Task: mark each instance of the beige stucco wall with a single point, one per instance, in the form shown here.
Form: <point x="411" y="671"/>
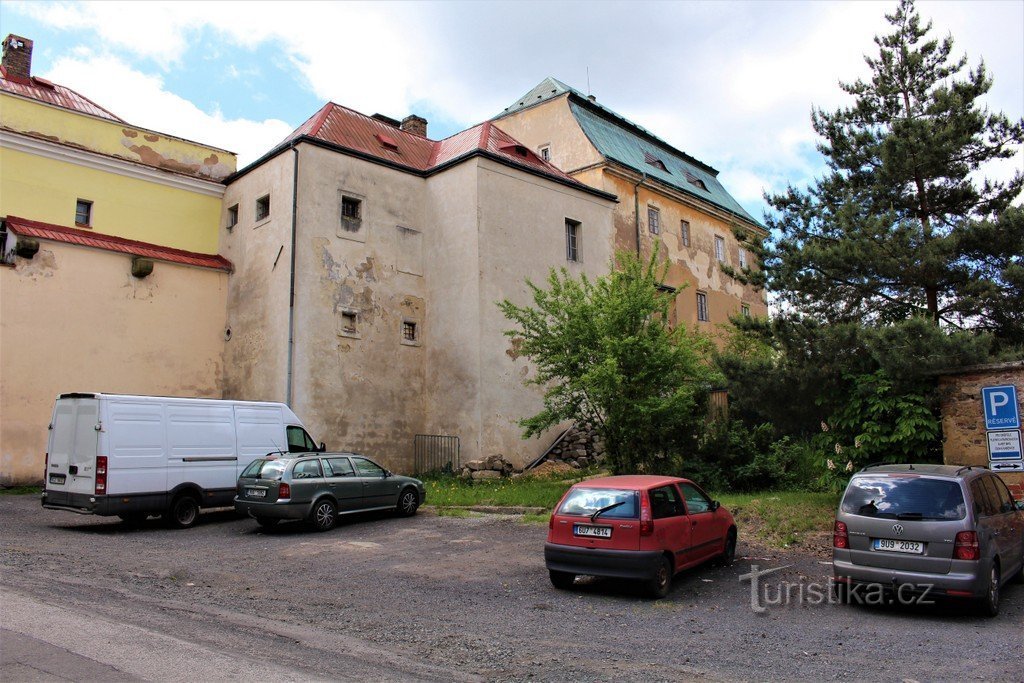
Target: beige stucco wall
<point x="552" y="125"/>
<point x="522" y="235"/>
<point x="255" y="357"/>
<point x="361" y="391"/>
<point x="75" y="319"/>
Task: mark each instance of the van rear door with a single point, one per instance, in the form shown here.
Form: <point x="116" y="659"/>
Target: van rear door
<point x="73" y="446"/>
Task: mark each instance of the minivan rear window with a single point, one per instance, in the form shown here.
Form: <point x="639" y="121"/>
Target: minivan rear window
<point x="584" y="501"/>
<point x="904" y="498"/>
<point x="264" y="469"/>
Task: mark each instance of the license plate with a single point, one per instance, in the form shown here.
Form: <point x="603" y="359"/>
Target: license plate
<point x="893" y="546"/>
<point x="57" y="478"/>
<point x="593" y="531"/>
<point x="256" y="493"/>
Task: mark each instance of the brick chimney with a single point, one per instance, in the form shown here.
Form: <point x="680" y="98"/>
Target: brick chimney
<point x="17" y="59"/>
<point x="415" y="124"/>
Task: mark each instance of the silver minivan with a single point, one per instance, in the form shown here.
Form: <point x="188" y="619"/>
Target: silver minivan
<point x="928" y="530"/>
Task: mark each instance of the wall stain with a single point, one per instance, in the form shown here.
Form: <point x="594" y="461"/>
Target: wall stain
<point x="516" y="349"/>
<point x="152" y="138"/>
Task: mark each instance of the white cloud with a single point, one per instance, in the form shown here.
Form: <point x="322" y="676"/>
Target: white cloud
<point x="141" y="99"/>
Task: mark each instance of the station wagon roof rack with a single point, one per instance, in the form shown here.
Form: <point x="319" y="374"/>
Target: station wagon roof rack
<point x="880" y="464"/>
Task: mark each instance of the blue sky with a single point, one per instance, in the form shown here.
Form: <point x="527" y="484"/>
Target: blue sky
<point x="731" y="83"/>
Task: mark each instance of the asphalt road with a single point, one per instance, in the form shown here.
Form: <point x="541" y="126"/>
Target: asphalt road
<point x="435" y="598"/>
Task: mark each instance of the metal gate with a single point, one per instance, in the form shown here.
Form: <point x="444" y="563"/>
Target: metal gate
<point x="434" y="452"/>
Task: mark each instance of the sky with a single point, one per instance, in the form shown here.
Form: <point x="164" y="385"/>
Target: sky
<point x="730" y="83"/>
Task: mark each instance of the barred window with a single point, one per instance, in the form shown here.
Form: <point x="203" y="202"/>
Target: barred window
<point x="702" y="306"/>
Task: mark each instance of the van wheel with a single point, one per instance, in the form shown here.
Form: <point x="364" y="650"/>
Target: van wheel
<point x="324" y="515"/>
<point x="561" y="580"/>
<point x="989" y="605"/>
<point x="657" y="586"/>
<point x="408" y="501"/>
<point x="267" y="522"/>
<point x="183" y="513"/>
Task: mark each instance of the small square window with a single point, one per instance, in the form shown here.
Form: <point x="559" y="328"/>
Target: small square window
<point x="262" y="208"/>
<point x="653" y="220"/>
<point x="720" y="248"/>
<point x="83" y="213"/>
<point x="351" y="208"/>
<point x="745" y="310"/>
<point x="232" y="216"/>
<point x="572" y="240"/>
<point x="702" y="307"/>
<point x="545" y="153"/>
<point x="684" y="230"/>
<point x="409" y="331"/>
<point x="349" y="324"/>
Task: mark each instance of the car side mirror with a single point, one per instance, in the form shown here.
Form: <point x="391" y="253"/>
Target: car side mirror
<point x="388" y="473"/>
<point x="715" y="505"/>
<point x="323" y="447"/>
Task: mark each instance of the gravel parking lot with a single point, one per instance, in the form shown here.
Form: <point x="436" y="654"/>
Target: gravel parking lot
<point x="441" y="598"/>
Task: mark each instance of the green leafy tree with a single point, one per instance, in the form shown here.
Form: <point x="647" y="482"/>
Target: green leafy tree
<point x="605" y="353"/>
<point x="898" y="227"/>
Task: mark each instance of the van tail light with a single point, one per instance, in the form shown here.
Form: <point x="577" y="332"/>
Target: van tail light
<point x="101" y="475"/>
<point x="840" y="535"/>
<point x="966" y="547"/>
<point x="285" y="491"/>
<point x="646" y="521"/>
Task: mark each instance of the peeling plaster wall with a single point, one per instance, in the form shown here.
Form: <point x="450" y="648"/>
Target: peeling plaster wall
<point x="115" y="139"/>
<point x="695" y="266"/>
<point x="363" y="390"/>
<point x="522" y="235"/>
<point x="75" y="319"/>
<point x="257" y="311"/>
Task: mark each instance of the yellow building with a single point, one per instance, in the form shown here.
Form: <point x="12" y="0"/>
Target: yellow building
<point x="110" y="278"/>
<point x="664" y="195"/>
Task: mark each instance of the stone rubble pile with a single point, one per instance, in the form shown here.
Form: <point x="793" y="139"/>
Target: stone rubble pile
<point x="581" y="447"/>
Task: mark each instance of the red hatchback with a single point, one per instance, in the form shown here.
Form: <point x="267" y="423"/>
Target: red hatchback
<point x="641" y="527"/>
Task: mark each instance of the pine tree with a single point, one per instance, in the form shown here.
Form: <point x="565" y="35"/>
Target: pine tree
<point x="898" y="227"/>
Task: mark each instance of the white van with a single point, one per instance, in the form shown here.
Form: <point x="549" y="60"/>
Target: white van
<point x="134" y="456"/>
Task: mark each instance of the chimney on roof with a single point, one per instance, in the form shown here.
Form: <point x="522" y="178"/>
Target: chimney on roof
<point x="414" y="124"/>
<point x="17" y="59"/>
<point x="592" y="98"/>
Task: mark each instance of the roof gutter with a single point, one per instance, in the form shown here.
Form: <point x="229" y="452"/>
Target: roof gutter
<point x="636" y="211"/>
<point x="291" y="279"/>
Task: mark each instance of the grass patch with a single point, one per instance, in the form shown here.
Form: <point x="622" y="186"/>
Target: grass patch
<point x="20" y="490"/>
<point x="448" y="491"/>
<point x="782" y="518"/>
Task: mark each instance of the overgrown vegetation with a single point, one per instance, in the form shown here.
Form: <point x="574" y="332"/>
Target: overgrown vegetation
<point x="605" y="354"/>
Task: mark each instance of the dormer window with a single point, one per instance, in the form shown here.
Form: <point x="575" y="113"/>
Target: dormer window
<point x="694" y="180"/>
<point x="655" y="162"/>
<point x="387" y="141"/>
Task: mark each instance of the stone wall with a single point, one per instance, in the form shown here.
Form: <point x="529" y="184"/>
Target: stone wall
<point x="963" y="417"/>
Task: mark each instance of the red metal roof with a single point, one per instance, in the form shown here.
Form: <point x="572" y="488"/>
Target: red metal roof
<point x="367" y="135"/>
<point x="85" y="238"/>
<point x="43" y="90"/>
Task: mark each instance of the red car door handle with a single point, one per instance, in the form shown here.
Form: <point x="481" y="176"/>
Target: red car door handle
<point x="693" y="523"/>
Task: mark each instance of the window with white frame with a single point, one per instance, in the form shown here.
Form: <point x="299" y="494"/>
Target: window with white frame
<point x="745" y="310"/>
<point x="743" y="257"/>
<point x="545" y="153"/>
<point x="720" y="248"/>
<point x="684" y="231"/>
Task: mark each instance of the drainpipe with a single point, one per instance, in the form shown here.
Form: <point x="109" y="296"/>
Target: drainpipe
<point x="291" y="277"/>
<point x="636" y="211"/>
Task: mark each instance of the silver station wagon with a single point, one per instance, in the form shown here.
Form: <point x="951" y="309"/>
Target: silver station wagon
<point x="928" y="530"/>
<point x="318" y="487"/>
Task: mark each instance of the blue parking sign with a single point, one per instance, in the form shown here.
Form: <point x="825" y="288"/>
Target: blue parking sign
<point x="1000" y="407"/>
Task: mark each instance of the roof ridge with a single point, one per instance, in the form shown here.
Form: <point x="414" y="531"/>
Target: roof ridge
<point x="103" y="237"/>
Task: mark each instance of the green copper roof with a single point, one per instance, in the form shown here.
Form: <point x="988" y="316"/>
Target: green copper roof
<point x="619" y="139"/>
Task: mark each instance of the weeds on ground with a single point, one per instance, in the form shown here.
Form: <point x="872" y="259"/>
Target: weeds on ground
<point x="782" y="518"/>
<point x="20" y="490"/>
<point x="544" y="492"/>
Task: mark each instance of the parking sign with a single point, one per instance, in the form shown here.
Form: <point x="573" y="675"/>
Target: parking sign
<point x="1000" y="407"/>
